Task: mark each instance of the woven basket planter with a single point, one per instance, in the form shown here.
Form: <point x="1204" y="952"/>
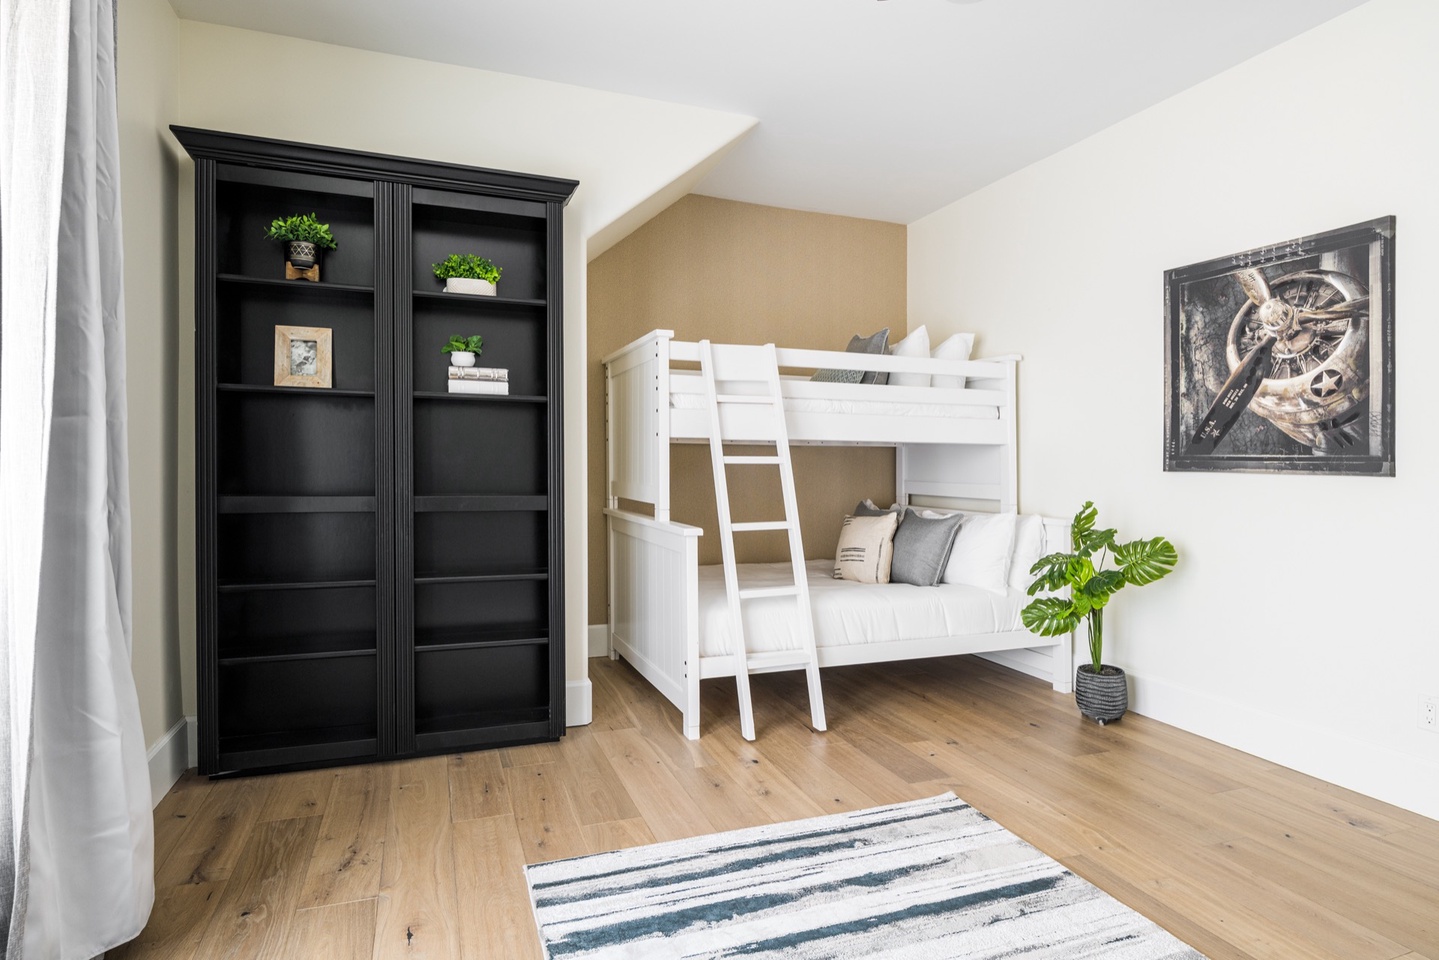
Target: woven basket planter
<point x="1102" y="696"/>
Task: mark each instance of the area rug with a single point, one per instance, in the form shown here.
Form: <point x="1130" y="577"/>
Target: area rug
<point x="931" y="879"/>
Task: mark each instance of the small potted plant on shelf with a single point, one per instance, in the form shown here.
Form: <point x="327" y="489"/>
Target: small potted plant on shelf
<point x="463" y="350"/>
<point x="1100" y="690"/>
<point x="468" y="273"/>
<point x="305" y="237"/>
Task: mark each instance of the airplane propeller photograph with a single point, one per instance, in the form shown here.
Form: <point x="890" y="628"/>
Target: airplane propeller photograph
<point x="1281" y="359"/>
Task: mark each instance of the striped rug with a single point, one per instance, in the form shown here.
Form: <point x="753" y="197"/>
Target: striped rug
<point x="931" y="879"/>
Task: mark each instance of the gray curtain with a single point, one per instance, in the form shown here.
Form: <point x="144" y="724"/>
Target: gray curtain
<point x="77" y="878"/>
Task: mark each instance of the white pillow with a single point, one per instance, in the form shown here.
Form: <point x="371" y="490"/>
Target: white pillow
<point x="914" y="345"/>
<point x="981" y="552"/>
<point x="866" y="548"/>
<point x="957" y="347"/>
<point x="1028" y="547"/>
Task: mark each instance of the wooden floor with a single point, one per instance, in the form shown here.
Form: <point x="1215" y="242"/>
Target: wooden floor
<point x="422" y="859"/>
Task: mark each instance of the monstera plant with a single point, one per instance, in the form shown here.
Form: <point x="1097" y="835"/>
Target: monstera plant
<point x="1100" y="689"/>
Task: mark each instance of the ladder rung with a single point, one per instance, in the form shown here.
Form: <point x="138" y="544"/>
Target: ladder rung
<point x="768" y="459"/>
<point x="744" y="398"/>
<point x="780" y="660"/>
<point x="760" y="525"/>
<point x="754" y="593"/>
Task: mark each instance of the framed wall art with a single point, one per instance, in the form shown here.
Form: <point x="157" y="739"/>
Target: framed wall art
<point x="1281" y="359"/>
<point x="302" y="356"/>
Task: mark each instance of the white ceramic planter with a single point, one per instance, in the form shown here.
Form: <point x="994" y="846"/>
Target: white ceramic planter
<point x="470" y="286"/>
<point x="462" y="358"/>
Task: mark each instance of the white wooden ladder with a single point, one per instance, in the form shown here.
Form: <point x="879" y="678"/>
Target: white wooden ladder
<point x="750" y="376"/>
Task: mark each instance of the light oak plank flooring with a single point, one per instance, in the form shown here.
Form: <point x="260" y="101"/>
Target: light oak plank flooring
<point x="423" y="858"/>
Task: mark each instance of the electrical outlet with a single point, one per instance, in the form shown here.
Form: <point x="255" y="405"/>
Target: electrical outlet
<point x="1429" y="713"/>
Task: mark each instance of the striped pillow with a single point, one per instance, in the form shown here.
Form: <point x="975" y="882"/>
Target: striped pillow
<point x="866" y="549"/>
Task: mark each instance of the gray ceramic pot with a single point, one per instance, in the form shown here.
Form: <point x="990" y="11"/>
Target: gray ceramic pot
<point x="1102" y="696"/>
<point x="302" y="254"/>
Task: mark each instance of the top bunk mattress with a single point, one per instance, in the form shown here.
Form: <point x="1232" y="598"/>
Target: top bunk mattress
<point x="687" y="395"/>
<point x="887" y="408"/>
<point x="846" y="612"/>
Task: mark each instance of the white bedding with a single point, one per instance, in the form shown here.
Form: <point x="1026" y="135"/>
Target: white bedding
<point x="887" y="408"/>
<point x="846" y="612"/>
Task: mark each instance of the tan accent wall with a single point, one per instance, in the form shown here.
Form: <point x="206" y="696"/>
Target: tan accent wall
<point x="743" y="273"/>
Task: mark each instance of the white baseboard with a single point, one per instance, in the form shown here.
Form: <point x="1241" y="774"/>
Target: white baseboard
<point x="192" y="740"/>
<point x="579" y="705"/>
<point x="599" y="639"/>
<point x="167" y="760"/>
<point x="1377" y="771"/>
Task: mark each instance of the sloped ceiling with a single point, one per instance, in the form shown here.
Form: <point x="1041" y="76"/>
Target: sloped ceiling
<point x="887" y="109"/>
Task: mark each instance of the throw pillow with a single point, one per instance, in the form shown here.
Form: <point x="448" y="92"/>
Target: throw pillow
<point x="981" y="552"/>
<point x="957" y="347"/>
<point x="1028" y="547"/>
<point x="867" y="508"/>
<point x="914" y="345"/>
<point x="866" y="549"/>
<point x="874" y="343"/>
<point x="922" y="547"/>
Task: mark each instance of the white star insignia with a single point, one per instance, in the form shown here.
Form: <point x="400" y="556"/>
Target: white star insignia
<point x="1325" y="383"/>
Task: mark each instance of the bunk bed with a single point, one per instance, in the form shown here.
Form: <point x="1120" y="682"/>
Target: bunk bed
<point x="955" y="448"/>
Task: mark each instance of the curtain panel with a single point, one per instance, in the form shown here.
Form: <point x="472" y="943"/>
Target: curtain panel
<point x="77" y="876"/>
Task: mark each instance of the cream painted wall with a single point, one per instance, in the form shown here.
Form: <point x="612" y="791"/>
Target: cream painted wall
<point x="744" y="273"/>
<point x="148" y="45"/>
<point x="1289" y="629"/>
<point x="624" y="151"/>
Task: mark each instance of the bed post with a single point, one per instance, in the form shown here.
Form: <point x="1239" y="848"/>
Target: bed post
<point x="1009" y="413"/>
<point x="901" y="488"/>
<point x="662" y="424"/>
<point x="690" y="710"/>
<point x="611" y="500"/>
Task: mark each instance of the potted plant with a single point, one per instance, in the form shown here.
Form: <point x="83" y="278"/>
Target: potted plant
<point x="468" y="273"/>
<point x="304" y="237"/>
<point x="1100" y="689"/>
<point x="463" y="350"/>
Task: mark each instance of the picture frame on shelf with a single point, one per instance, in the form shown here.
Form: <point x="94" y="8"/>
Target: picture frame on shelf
<point x="303" y="357"/>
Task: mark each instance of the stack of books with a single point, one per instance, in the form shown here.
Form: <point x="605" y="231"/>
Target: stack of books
<point x="492" y="380"/>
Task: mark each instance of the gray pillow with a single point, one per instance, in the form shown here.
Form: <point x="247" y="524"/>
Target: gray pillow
<point x="867" y="508"/>
<point x="921" y="548"/>
<point x="874" y="343"/>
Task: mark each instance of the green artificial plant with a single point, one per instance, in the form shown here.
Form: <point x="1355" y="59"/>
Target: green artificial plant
<point x="1090" y="585"/>
<point x="303" y="227"/>
<point x="469" y="266"/>
<point x="470" y="344"/>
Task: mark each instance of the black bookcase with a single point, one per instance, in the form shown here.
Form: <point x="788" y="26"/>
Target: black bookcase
<point x="378" y="563"/>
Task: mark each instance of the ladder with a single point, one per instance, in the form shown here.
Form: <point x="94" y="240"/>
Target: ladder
<point x="750" y="375"/>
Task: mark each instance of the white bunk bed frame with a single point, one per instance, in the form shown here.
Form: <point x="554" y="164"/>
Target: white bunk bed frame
<point x="962" y="462"/>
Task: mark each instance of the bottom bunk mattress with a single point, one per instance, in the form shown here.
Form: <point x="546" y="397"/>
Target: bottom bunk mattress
<point x="846" y="612"/>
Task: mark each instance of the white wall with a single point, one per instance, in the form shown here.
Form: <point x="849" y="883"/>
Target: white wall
<point x="1293" y="627"/>
<point x="624" y="150"/>
<point x="148" y="46"/>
